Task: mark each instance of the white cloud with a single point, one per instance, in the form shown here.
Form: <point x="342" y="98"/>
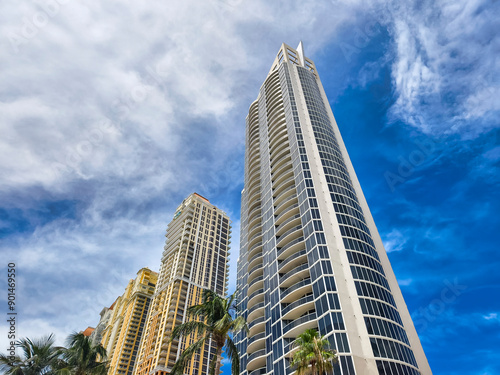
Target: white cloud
<point x="445" y="71"/>
<point x="394" y="241"/>
<point x="491" y="316"/>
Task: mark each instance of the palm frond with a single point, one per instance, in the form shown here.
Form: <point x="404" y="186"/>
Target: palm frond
<point x="213" y="318"/>
<point x="185" y="357"/>
<point x="232" y="354"/>
<point x="189" y="327"/>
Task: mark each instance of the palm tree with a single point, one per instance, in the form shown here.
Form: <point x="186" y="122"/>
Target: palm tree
<point x="313" y="355"/>
<point x="213" y="319"/>
<point x="39" y="357"/>
<point x="83" y="358"/>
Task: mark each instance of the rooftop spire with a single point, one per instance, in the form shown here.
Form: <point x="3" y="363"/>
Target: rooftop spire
<point x="300" y="51"/>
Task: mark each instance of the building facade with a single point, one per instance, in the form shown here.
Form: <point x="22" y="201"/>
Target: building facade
<point x="311" y="255"/>
<point x="96" y="335"/>
<point x="126" y="317"/>
<point x="195" y="258"/>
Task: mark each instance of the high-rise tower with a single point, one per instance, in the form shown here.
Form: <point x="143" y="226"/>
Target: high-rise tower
<point x="195" y="258"/>
<point x="311" y="255"/>
<point x="125" y="323"/>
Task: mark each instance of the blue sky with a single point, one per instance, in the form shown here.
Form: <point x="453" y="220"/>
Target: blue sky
<point x="112" y="113"/>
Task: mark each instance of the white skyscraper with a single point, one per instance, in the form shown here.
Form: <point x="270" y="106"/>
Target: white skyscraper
<point x="311" y="255"/>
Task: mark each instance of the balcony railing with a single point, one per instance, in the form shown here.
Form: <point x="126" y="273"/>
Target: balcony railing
<point x="256" y="293"/>
<point x="299" y="321"/>
<point x="288" y="245"/>
<point x="287" y="221"/>
<point x="294" y="287"/>
<point x="299" y="302"/>
<point x="254" y="322"/>
<point x="256" y="354"/>
<point x="255" y="269"/>
<point x="291" y="258"/>
<point x="293" y="272"/>
<point x="256" y="337"/>
<point x="287" y="210"/>
<point x="256" y="280"/>
<point x="255" y="257"/>
<point x="289" y="231"/>
<point x="255" y="307"/>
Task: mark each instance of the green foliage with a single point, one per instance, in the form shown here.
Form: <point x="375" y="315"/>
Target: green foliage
<point x="313" y="355"/>
<point x="213" y="319"/>
<point x="83" y="358"/>
<point x="41" y="357"/>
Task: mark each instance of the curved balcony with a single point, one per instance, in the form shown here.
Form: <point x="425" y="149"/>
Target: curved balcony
<point x="255" y="310"/>
<point x="252" y="152"/>
<point x="284" y="194"/>
<point x="279" y="138"/>
<point x="255" y="283"/>
<point x="275" y="108"/>
<point x="271" y="79"/>
<point x="277" y="114"/>
<point x="290" y="235"/>
<point x="278" y="188"/>
<point x="253" y="135"/>
<point x="256" y="360"/>
<point x="256" y="322"/>
<point x="253" y="196"/>
<point x="299" y="273"/>
<point x="255" y="239"/>
<point x="290" y="248"/>
<point x="254" y="249"/>
<point x="292" y="261"/>
<point x="254" y="258"/>
<point x="300" y="288"/>
<point x="277" y="155"/>
<point x="285" y="168"/>
<point x="278" y="162"/>
<point x="252" y="141"/>
<point x="253" y="187"/>
<point x="256" y="220"/>
<point x="256" y="230"/>
<point x="278" y="147"/>
<point x="254" y="210"/>
<point x="271" y="83"/>
<point x="297" y="308"/>
<point x="285" y="225"/>
<point x="277" y="121"/>
<point x="253" y="174"/>
<point x="257" y="296"/>
<point x="289" y="211"/>
<point x="292" y="199"/>
<point x="254" y="109"/>
<point x="254" y="272"/>
<point x="256" y="342"/>
<point x="273" y="92"/>
<point x="253" y="126"/>
<point x="274" y="99"/>
<point x="283" y="180"/>
<point x="297" y="326"/>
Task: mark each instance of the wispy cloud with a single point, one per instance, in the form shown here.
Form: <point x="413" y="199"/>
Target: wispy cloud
<point x="444" y="68"/>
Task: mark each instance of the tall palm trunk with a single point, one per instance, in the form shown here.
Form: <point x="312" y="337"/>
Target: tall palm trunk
<point x="218" y="354"/>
